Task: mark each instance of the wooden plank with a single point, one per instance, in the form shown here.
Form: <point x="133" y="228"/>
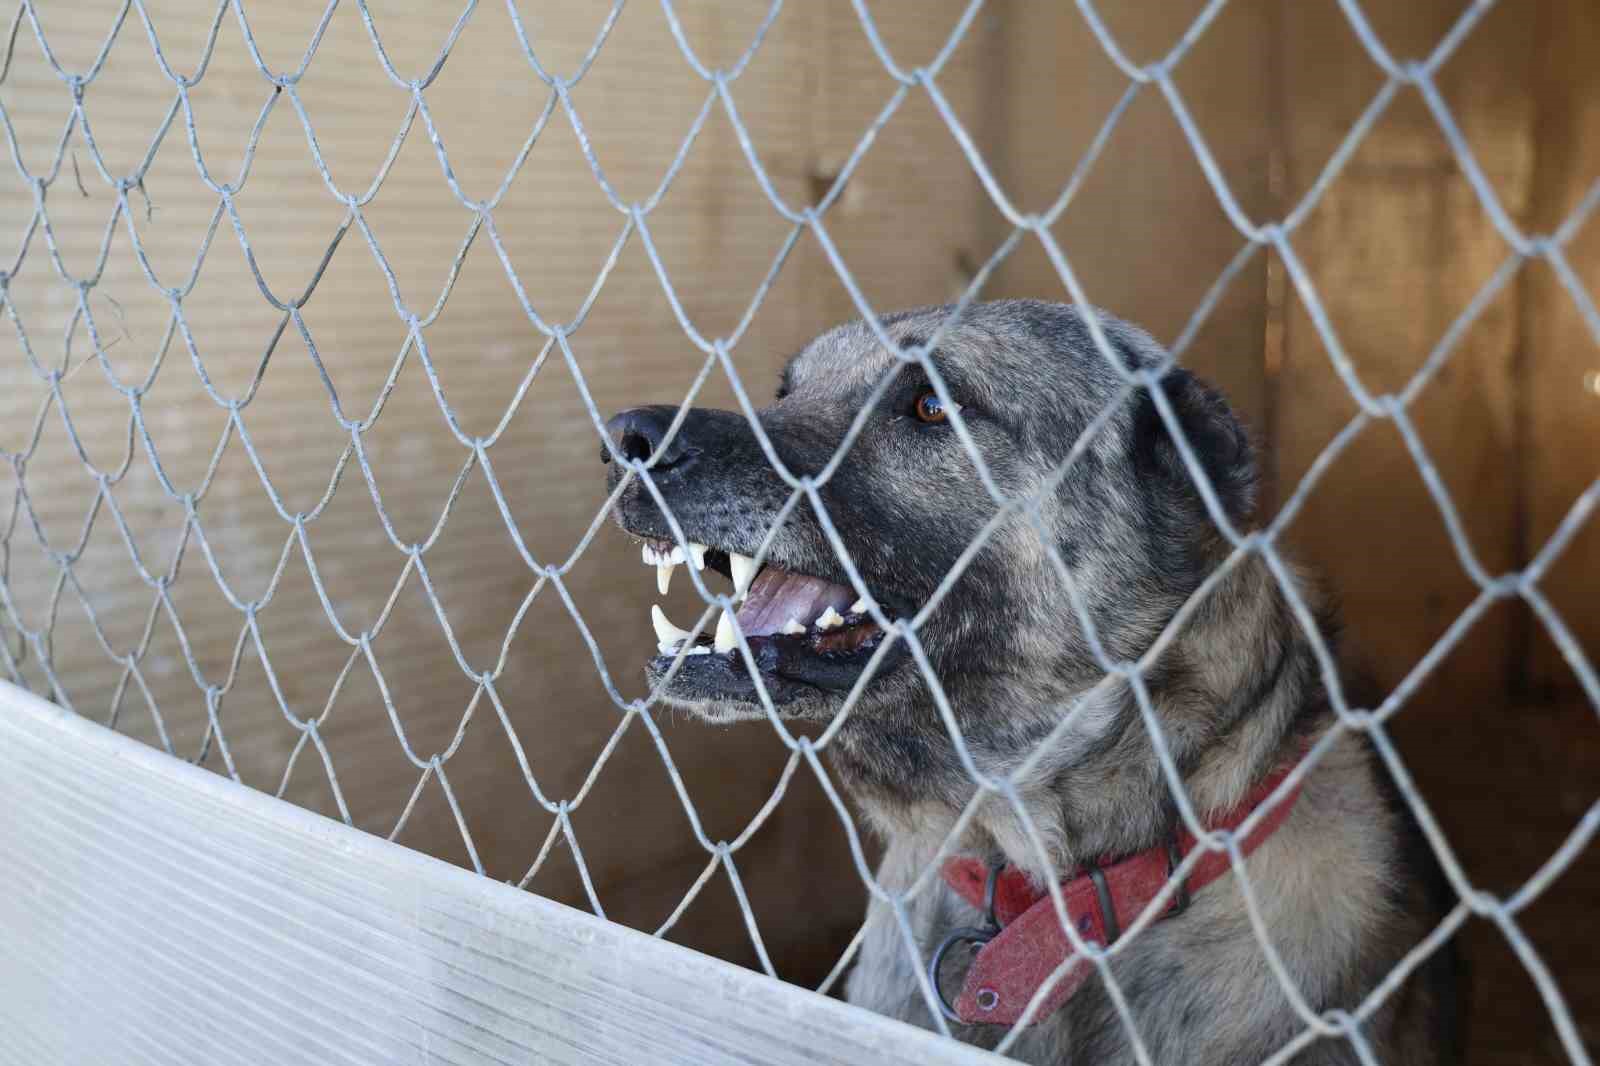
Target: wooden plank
<point x="157" y="912"/>
<point x="1397" y="248"/>
<point x="1543" y="761"/>
<point x="1145" y="233"/>
<point x="1560" y="367"/>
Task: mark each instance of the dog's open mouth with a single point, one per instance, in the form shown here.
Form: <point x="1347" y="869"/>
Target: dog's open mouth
<point x="805" y="633"/>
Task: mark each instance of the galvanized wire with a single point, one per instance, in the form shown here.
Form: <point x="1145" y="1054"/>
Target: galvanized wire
<point x="21" y="638"/>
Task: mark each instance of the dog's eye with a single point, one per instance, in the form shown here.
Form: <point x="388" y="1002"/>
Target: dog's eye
<point x="929" y="408"/>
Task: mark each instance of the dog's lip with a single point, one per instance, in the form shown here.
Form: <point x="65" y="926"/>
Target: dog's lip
<point x="722" y="560"/>
<point x="789" y="666"/>
<point x="769" y="600"/>
<point x="805" y="633"/>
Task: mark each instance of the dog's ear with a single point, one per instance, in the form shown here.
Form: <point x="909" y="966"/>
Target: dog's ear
<point x="1217" y="438"/>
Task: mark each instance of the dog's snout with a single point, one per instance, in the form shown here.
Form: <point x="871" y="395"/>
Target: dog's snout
<point x="637" y="434"/>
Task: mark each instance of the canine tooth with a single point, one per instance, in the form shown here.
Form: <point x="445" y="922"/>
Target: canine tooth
<point x="859" y="607"/>
<point x="793" y="628"/>
<point x="664" y="576"/>
<point x="725" y="640"/>
<point x="743" y="569"/>
<point x="698" y="553"/>
<point x="666" y="632"/>
<point x="829" y="619"/>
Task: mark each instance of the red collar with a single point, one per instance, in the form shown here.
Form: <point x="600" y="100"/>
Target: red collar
<point x="1030" y="943"/>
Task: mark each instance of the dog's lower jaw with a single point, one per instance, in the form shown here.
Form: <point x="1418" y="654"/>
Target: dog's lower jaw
<point x="716" y="711"/>
<point x="709" y="710"/>
<point x="791" y="675"/>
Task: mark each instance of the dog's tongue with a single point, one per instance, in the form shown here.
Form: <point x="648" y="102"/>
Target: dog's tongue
<point x="777" y="595"/>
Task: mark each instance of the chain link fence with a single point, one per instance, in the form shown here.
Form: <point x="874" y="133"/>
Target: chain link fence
<point x="28" y="647"/>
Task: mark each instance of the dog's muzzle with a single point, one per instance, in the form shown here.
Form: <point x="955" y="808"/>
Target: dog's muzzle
<point x="806" y="634"/>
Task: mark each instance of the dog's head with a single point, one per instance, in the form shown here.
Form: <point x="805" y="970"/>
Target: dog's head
<point x="906" y="503"/>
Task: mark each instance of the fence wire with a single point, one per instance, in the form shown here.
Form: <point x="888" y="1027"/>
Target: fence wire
<point x="22" y="639"/>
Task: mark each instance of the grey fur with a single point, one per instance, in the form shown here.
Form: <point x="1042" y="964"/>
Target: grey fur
<point x="1346" y="885"/>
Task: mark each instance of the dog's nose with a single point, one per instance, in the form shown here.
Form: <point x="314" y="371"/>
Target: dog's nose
<point x="637" y="434"/>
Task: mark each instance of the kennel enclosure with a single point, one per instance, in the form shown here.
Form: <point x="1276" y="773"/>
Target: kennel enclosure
<point x="315" y="313"/>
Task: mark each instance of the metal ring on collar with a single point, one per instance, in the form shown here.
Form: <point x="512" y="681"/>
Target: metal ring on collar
<point x="968" y="935"/>
<point x="965" y="935"/>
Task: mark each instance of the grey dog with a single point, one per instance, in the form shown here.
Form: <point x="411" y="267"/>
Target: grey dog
<point x="1343" y="887"/>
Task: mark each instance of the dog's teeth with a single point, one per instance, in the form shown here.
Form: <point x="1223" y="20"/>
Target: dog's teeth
<point x="725" y="640"/>
<point x="698" y="649"/>
<point x="697" y="552"/>
<point x="648" y="554"/>
<point x="829" y="619"/>
<point x="664" y="576"/>
<point x="674" y="556"/>
<point x="858" y="607"/>
<point x="666" y="632"/>
<point x="793" y="628"/>
<point x="743" y="569"/>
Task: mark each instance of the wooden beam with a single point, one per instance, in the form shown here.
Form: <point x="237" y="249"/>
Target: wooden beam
<point x="1559" y="372"/>
<point x="1396" y="249"/>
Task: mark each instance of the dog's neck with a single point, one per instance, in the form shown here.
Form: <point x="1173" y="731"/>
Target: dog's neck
<point x="1229" y="717"/>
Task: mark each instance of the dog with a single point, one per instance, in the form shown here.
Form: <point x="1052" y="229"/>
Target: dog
<point x="1112" y="531"/>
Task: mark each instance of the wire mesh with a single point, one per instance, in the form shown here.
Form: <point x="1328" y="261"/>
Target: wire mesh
<point x="24" y="637"/>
